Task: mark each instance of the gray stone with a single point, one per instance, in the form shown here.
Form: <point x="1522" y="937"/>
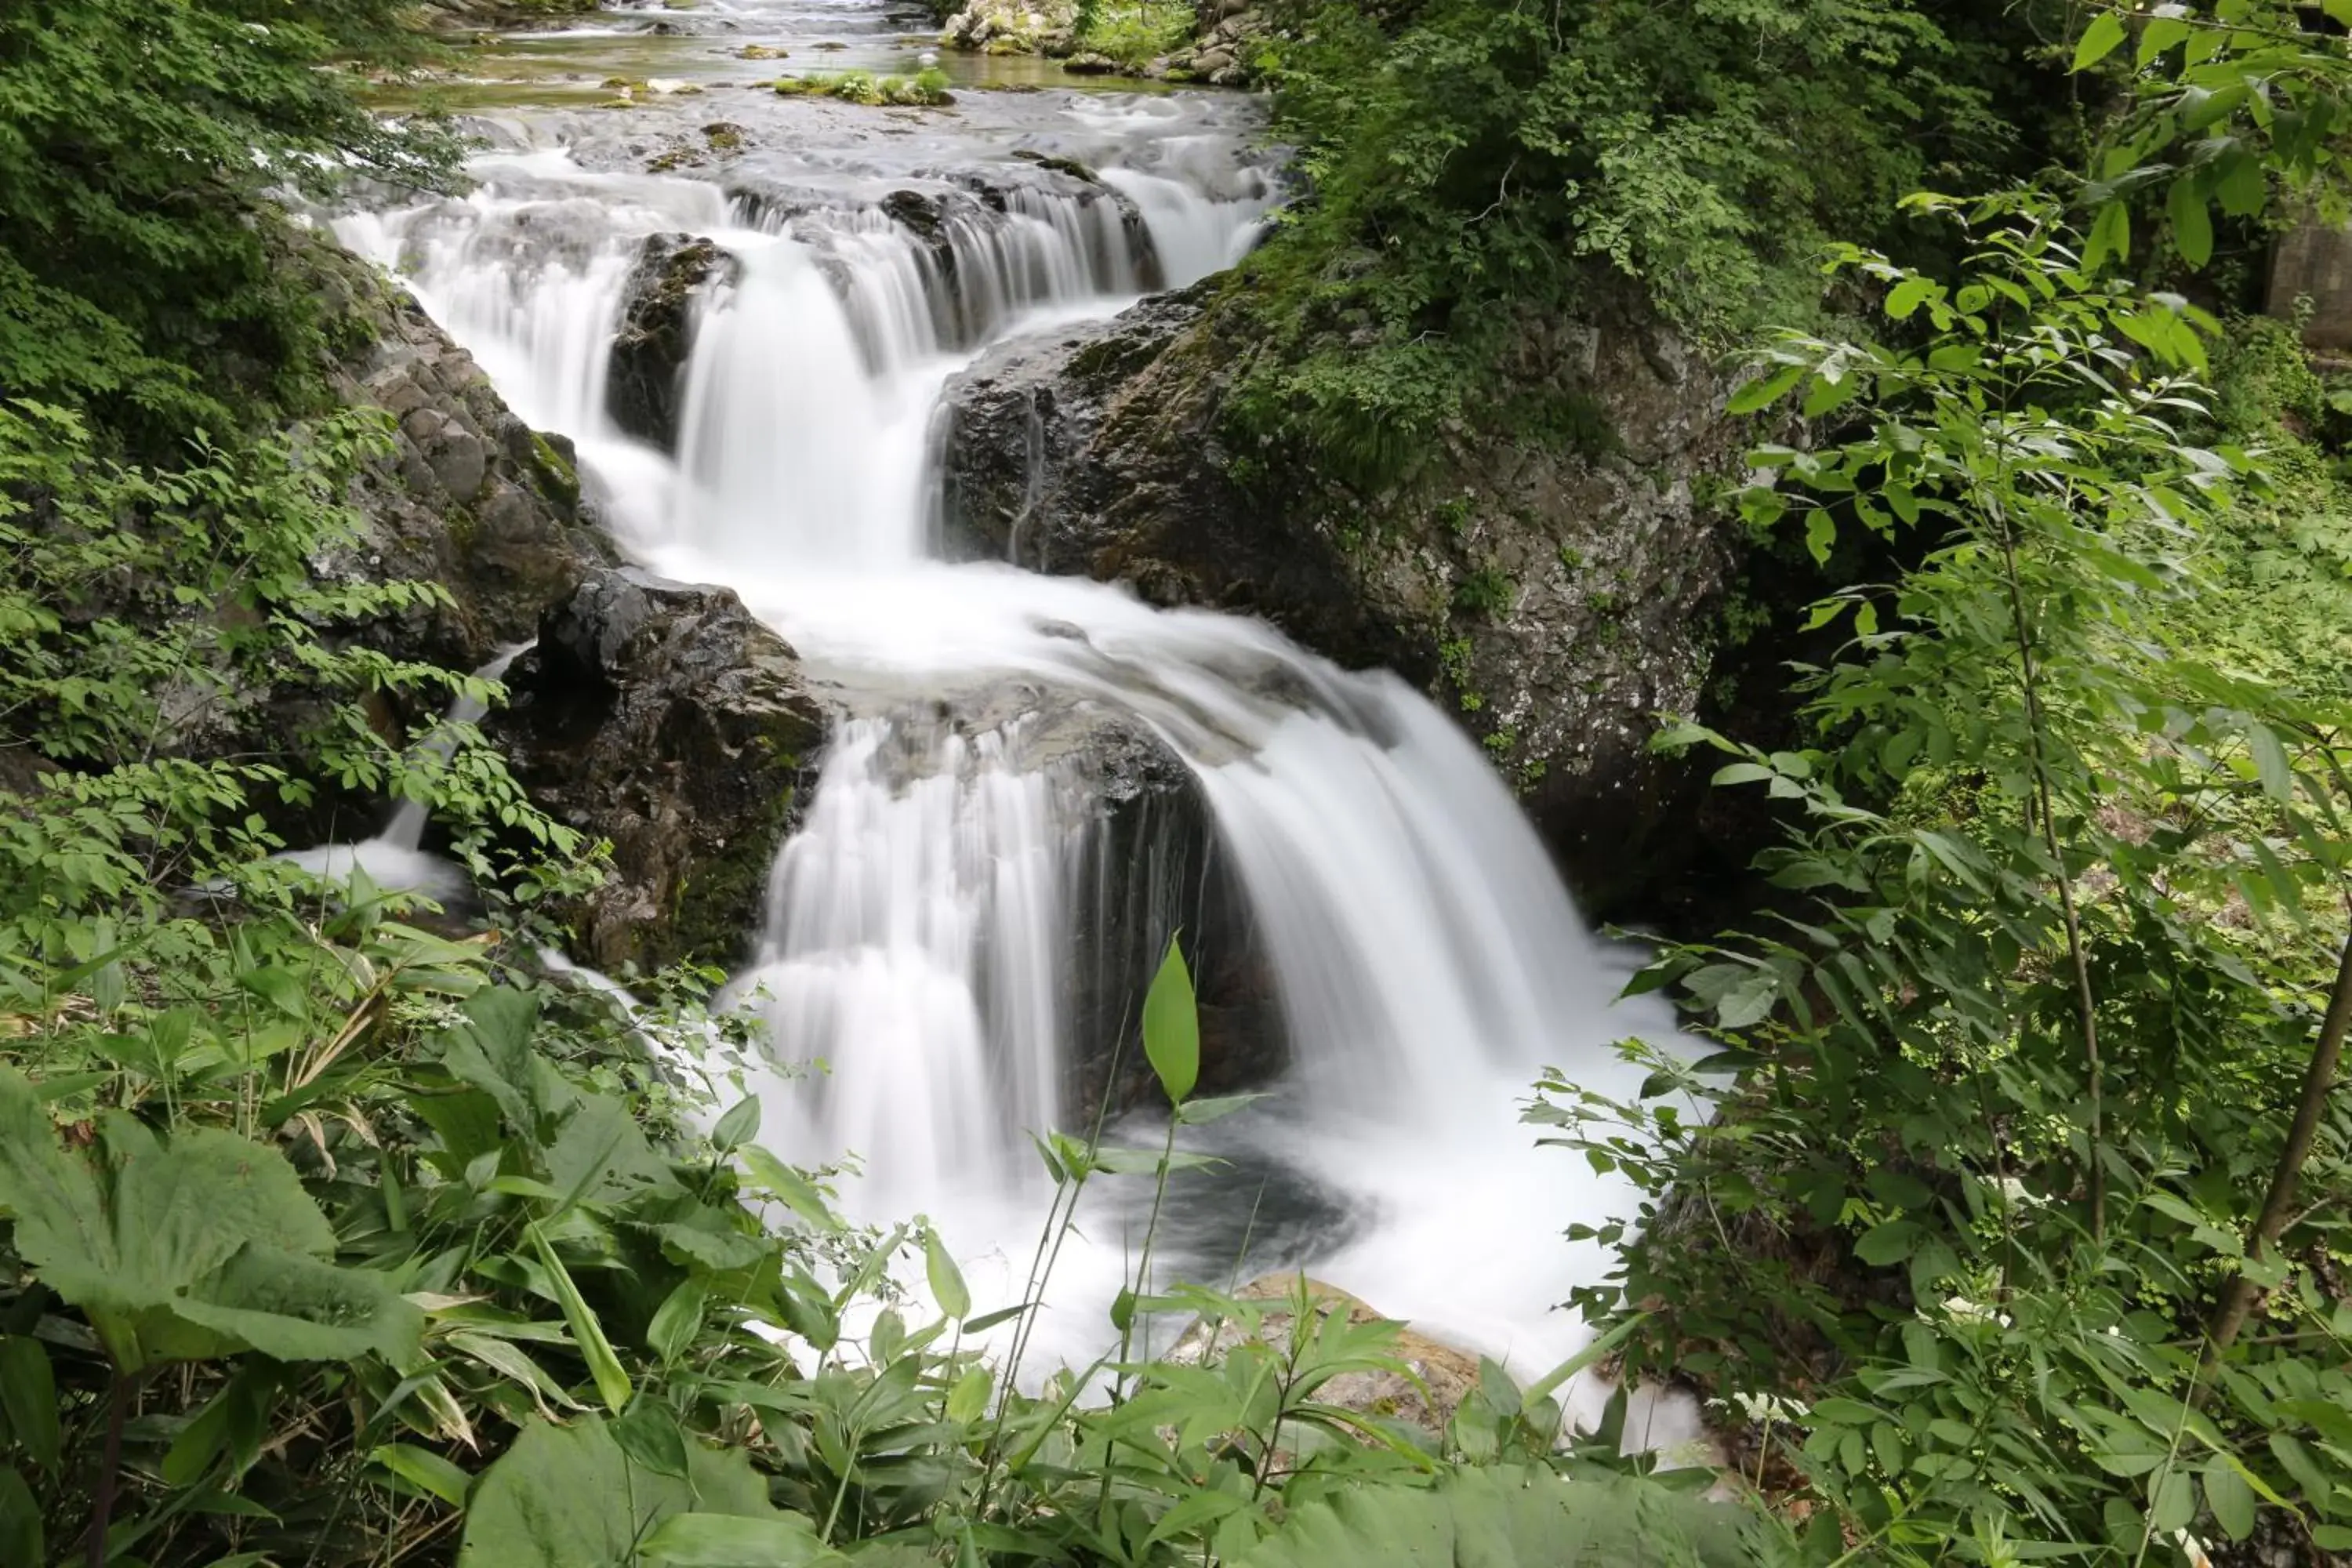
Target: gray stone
<point x="1553" y="592"/>
<point x="645" y="383"/>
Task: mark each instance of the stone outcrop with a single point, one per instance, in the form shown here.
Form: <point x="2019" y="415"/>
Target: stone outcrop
<point x="667" y="718"/>
<point x="645" y="380"/>
<point x="469" y="497"/>
<point x="1438" y="1377"/>
<point x="1553" y="590"/>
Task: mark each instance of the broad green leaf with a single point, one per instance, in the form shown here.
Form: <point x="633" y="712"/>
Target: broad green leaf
<point x="566" y="1497"/>
<point x="1172" y="1027"/>
<point x="1765" y="390"/>
<point x="796" y="1191"/>
<point x="28" y="1397"/>
<point x="677" y="1321"/>
<point x="1200" y="1113"/>
<point x="724" y="1541"/>
<point x="2171" y="1498"/>
<point x="2270" y="764"/>
<point x="611" y="1380"/>
<point x="196" y="1247"/>
<point x="2099" y="40"/>
<point x="649" y="1435"/>
<point x="2193" y="229"/>
<point x="947" y="1289"/>
<point x="21" y="1538"/>
<point x="1908" y="296"/>
<point x="2230" y="1497"/>
<point x="969" y="1398"/>
<point x="1887" y="1244"/>
<point x="738" y="1127"/>
<point x="2110" y="236"/>
<point x="1504" y="1515"/>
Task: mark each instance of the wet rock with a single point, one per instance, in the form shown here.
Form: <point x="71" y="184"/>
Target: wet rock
<point x="645" y="383"/>
<point x="1445" y="1375"/>
<point x="469" y="497"/>
<point x="1554" y="586"/>
<point x="1088" y="63"/>
<point x="666" y="719"/>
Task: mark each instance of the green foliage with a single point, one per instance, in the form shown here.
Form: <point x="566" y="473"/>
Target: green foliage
<point x="189" y="1248"/>
<point x="1135" y="32"/>
<point x="927" y="89"/>
<point x="2015" y="1085"/>
<point x="136" y="143"/>
<point x="1479" y="171"/>
<point x="1504" y="1515"/>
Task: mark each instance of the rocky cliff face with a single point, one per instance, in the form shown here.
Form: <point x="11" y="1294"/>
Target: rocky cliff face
<point x="1555" y="591"/>
<point x="469" y="497"/>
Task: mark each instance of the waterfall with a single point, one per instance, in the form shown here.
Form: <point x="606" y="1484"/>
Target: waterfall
<point x="914" y="963"/>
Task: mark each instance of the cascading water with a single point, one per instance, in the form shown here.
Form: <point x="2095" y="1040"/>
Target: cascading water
<point x="916" y="955"/>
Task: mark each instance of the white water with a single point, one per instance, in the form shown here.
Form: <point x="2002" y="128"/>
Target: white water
<point x="919" y="925"/>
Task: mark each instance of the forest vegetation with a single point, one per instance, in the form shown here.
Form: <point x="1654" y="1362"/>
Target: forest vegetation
<point x="2009" y="1220"/>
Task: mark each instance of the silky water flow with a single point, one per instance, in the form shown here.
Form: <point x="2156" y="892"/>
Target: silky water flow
<point x="915" y="967"/>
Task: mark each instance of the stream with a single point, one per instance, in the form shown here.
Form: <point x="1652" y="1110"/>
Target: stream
<point x="922" y="921"/>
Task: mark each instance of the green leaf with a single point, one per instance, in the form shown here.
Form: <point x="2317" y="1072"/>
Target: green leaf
<point x="196" y="1248"/>
<point x="1765" y="390"/>
<point x="723" y="1541"/>
<point x="611" y="1380"/>
<point x="1909" y="295"/>
<point x="738" y="1127"/>
<point x="566" y="1497"/>
<point x="1200" y="1113"/>
<point x="2099" y="40"/>
<point x="1886" y="1243"/>
<point x="2171" y="1498"/>
<point x="28" y="1397"/>
<point x="797" y="1191"/>
<point x="2158" y="34"/>
<point x="1172" y="1027"/>
<point x="677" y="1320"/>
<point x="947" y="1289"/>
<point x="21" y="1538"/>
<point x="969" y="1398"/>
<point x="2230" y="1497"/>
<point x="2193" y="229"/>
<point x="2110" y="236"/>
<point x="426" y="1470"/>
<point x="1503" y="1514"/>
<point x="1820" y="534"/>
<point x="2270" y="764"/>
<point x="649" y="1435"/>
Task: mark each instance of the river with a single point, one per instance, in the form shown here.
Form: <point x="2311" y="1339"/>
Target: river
<point x="921" y="921"/>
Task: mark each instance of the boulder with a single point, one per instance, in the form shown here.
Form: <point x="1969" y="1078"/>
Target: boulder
<point x="1555" y="588"/>
<point x="1437" y="1380"/>
<point x="645" y="385"/>
<point x="667" y="720"/>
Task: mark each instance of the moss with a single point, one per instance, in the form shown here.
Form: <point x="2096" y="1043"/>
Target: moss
<point x="717" y="900"/>
<point x="559" y="477"/>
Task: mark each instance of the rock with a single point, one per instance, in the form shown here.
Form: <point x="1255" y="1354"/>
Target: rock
<point x="1553" y="589"/>
<point x="664" y="718"/>
<point x="1446" y="1376"/>
<point x="1210" y="61"/>
<point x="644" y="386"/>
<point x="1091" y="64"/>
<point x="469" y="498"/>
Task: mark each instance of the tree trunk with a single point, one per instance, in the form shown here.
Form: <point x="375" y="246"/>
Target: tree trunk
<point x="2237" y="1303"/>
